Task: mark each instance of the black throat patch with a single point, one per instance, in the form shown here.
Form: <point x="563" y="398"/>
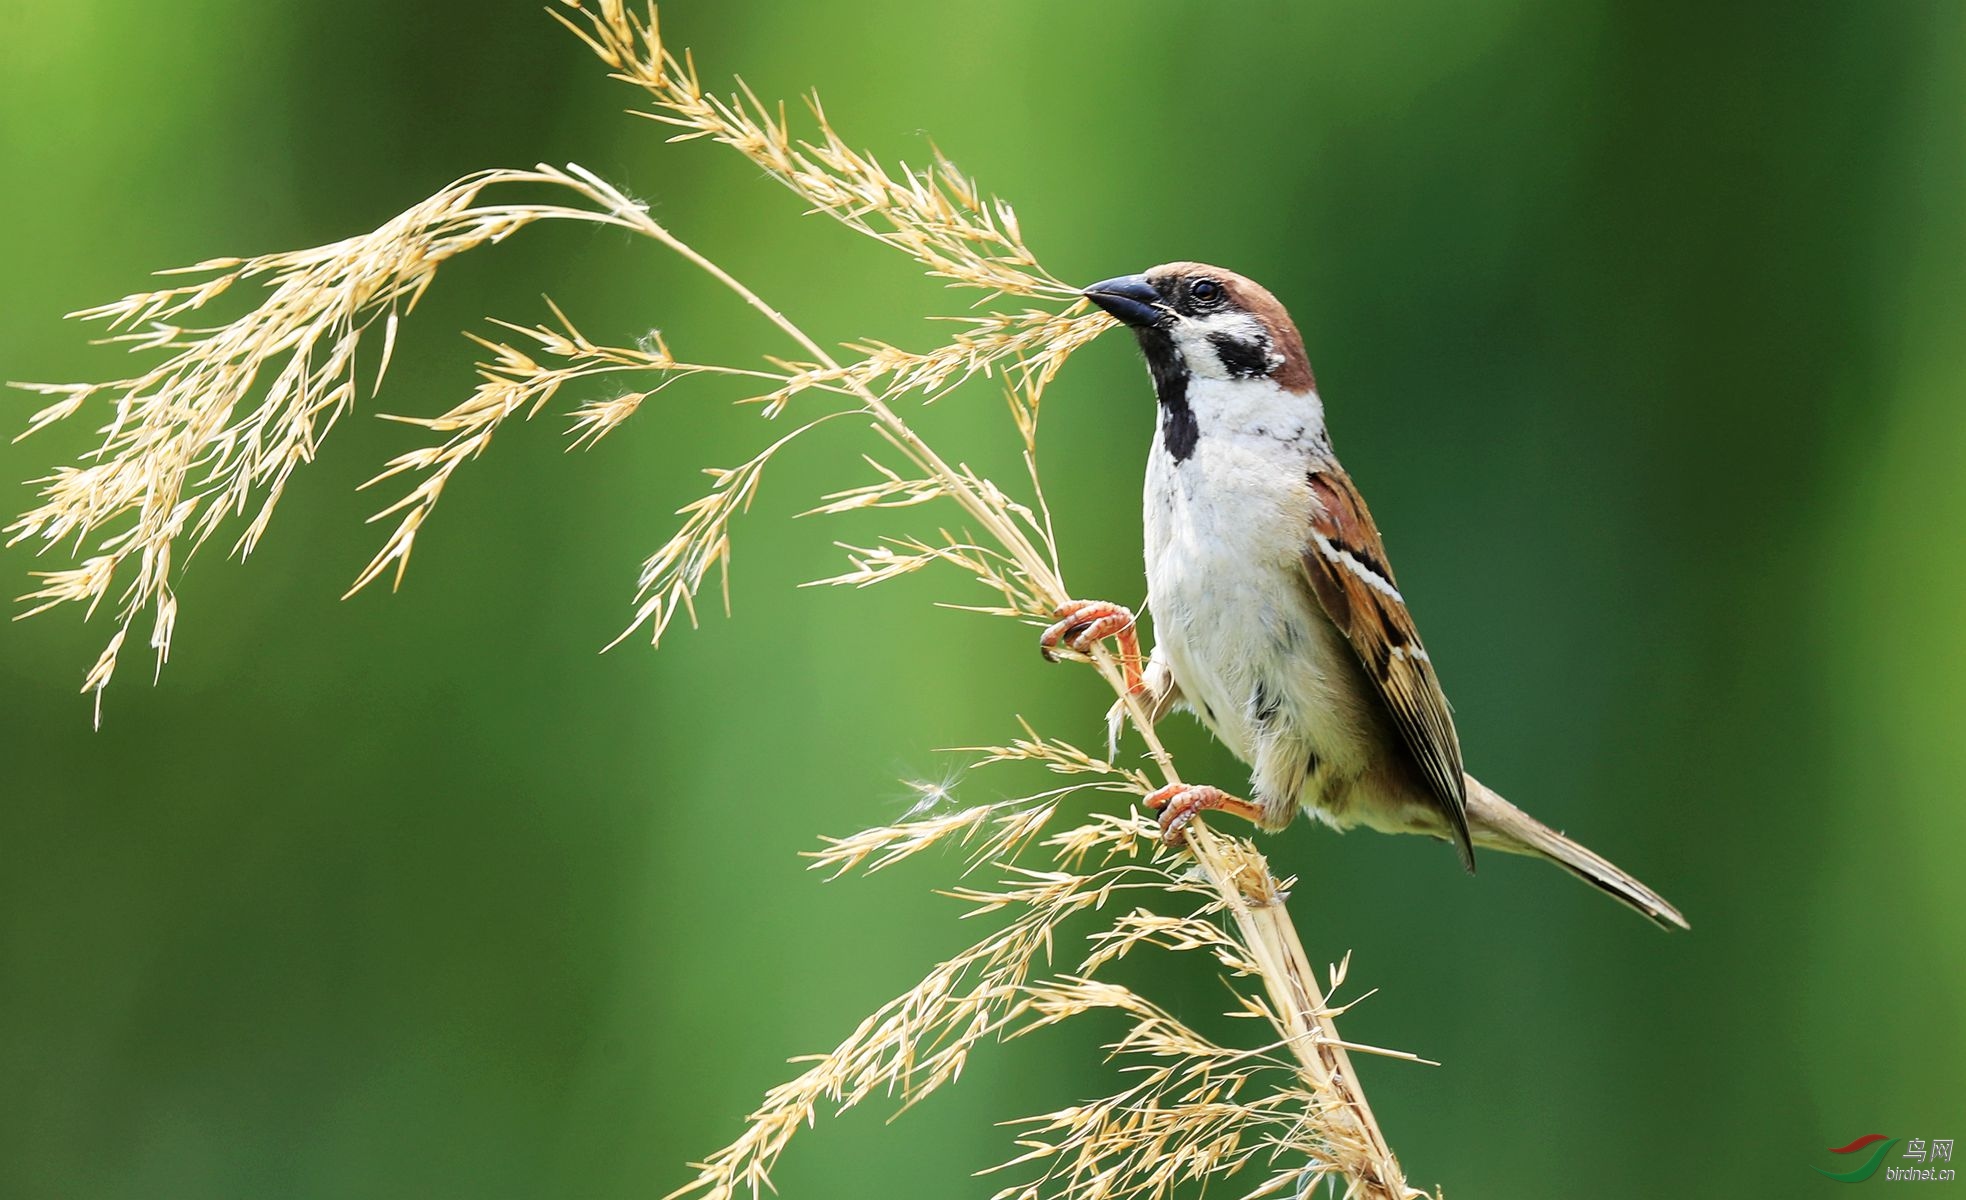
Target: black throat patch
<point x="1178" y="430"/>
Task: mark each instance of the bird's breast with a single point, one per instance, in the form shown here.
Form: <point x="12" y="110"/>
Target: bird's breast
<point x="1247" y="642"/>
<point x="1226" y="528"/>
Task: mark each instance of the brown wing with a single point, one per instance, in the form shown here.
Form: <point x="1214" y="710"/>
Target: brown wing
<point x="1346" y="567"/>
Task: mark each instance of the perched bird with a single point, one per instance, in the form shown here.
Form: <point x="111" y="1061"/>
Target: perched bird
<point x="1277" y="620"/>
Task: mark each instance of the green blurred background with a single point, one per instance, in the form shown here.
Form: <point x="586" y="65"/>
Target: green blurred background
<point x="1641" y="325"/>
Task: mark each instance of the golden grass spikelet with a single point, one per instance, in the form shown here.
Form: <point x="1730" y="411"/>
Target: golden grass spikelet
<point x="1195" y="1110"/>
<point x="1005" y="828"/>
<point x="1192" y="1109"/>
<point x="937" y="216"/>
<point x="1033" y="344"/>
<point x="214" y="430"/>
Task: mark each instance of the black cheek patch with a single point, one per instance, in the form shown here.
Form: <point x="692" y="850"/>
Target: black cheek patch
<point x="1243" y="360"/>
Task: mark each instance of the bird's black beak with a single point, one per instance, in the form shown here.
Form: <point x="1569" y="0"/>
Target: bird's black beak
<point x="1130" y="298"/>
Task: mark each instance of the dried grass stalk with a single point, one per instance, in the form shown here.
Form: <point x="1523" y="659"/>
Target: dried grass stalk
<point x="214" y="429"/>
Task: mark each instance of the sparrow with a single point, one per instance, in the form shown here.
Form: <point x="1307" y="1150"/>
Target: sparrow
<point x="1277" y="619"/>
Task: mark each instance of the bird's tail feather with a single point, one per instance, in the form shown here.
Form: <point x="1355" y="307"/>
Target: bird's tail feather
<point x="1499" y="825"/>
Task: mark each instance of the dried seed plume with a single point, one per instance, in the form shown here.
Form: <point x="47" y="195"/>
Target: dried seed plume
<point x="1065" y="879"/>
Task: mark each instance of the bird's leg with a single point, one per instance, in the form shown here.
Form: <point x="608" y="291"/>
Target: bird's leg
<point x="1178" y="803"/>
<point x="1082" y="624"/>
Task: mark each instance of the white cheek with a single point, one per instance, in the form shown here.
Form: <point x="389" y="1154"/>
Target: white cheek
<point x="1191" y="337"/>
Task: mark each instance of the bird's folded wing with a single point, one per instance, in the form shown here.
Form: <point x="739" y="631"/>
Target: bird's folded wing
<point x="1345" y="565"/>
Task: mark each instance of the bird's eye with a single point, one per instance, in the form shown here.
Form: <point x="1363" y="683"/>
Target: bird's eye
<point x="1205" y="291"/>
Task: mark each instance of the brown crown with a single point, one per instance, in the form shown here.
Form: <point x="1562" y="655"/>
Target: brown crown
<point x="1253" y="298"/>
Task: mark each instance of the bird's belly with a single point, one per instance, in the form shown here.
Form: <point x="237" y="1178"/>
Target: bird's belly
<point x="1246" y="640"/>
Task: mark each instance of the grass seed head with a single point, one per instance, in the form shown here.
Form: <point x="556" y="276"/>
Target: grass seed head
<point x="209" y="434"/>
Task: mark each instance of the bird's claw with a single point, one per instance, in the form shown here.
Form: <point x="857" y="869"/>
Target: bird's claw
<point x="1080" y="625"/>
<point x="1179" y="803"/>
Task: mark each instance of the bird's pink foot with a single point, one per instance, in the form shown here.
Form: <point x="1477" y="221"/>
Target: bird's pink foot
<point x="1082" y="624"/>
<point x="1178" y="803"/>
